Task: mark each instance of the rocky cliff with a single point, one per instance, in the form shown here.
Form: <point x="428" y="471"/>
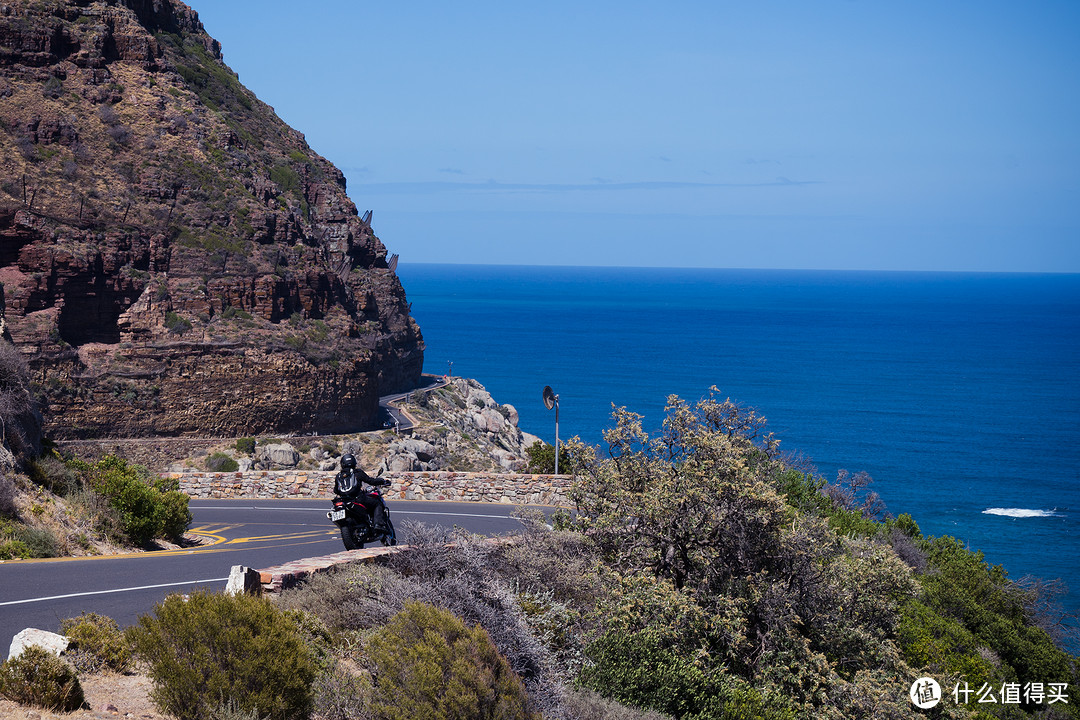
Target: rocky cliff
<point x="175" y="259"/>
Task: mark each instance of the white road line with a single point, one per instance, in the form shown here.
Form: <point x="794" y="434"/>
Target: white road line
<point x="105" y="592"/>
<point x="421" y="512"/>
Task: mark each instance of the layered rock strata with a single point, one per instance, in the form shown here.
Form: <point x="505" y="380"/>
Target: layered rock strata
<point x="174" y="259"/>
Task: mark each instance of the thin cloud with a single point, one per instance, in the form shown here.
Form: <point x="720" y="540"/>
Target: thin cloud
<point x="491" y="186"/>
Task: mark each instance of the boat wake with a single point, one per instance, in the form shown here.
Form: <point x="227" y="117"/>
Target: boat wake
<point x="1021" y="512"/>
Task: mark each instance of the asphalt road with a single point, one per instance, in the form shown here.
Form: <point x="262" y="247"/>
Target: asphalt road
<point x="255" y="533"/>
<point x="389" y="416"/>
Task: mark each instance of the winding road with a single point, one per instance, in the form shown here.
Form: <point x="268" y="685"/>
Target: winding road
<point x="389" y="416"/>
<point x="251" y="532"/>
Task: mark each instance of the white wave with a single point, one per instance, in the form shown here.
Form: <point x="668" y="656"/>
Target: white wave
<point x="1021" y="512"/>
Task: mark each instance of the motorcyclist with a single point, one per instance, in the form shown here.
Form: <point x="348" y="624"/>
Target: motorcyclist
<point x="350" y="483"/>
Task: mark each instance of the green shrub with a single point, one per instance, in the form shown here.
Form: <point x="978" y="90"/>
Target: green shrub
<point x="97" y="642"/>
<point x="635" y="670"/>
<point x="37" y="677"/>
<point x="246" y="445"/>
<point x="18" y="540"/>
<point x="176" y="324"/>
<point x="14" y="549"/>
<point x="40" y="543"/>
<point x="967" y="602"/>
<point x="542" y="458"/>
<point x="146" y="510"/>
<point x="232" y="312"/>
<point x="209" y="649"/>
<point x="430" y="665"/>
<point x="175" y="514"/>
<point x="220" y="462"/>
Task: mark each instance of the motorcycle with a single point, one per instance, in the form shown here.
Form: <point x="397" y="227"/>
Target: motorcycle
<point x="355" y="523"/>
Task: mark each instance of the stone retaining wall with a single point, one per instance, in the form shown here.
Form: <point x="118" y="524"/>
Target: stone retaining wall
<point x="434" y="485"/>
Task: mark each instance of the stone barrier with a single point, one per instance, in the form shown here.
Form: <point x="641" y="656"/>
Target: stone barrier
<point x="517" y="489"/>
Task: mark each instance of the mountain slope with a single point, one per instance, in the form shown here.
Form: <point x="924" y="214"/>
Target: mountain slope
<point x="174" y="258"/>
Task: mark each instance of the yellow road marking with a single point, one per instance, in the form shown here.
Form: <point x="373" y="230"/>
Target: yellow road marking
<point x="286" y="536"/>
<point x="309" y="537"/>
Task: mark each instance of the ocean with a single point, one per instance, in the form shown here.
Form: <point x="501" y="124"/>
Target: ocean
<point x="959" y="393"/>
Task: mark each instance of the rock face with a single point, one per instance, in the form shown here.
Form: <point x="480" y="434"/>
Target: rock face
<point x="461" y="428"/>
<point x="174" y="259"/>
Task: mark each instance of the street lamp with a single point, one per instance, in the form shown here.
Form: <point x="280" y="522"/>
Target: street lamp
<point x="551" y="400"/>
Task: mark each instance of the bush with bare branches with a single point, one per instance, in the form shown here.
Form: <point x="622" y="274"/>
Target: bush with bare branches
<point x="20" y="424"/>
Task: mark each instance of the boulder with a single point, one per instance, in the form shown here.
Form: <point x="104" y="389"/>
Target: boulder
<point x="528" y="440"/>
<point x="50" y="641"/>
<point x="420" y="449"/>
<point x="400" y="463"/>
<point x="488" y="420"/>
<point x="280" y="456"/>
<point x="243" y="580"/>
<point x="511" y="413"/>
<point x="508" y="461"/>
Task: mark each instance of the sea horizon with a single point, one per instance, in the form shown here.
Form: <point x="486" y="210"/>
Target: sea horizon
<point x="898" y="271"/>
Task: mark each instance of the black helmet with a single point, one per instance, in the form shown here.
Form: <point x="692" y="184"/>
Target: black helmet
<point x="348" y="462"/>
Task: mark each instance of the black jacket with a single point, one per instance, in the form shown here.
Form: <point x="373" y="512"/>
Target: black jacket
<point x="351" y="482"/>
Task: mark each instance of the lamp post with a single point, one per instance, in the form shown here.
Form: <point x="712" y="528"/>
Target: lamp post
<point x="551" y="400"/>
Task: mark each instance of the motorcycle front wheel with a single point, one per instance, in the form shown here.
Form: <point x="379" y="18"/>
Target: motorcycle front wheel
<point x="389" y="538"/>
<point x="348" y="536"/>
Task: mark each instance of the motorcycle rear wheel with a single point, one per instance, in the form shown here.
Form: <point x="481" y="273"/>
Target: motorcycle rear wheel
<point x="348" y="537"/>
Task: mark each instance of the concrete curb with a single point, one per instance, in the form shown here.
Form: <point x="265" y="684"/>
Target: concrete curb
<point x="290" y="574"/>
<point x="280" y="577"/>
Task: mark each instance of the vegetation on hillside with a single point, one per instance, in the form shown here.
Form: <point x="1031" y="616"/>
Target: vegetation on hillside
<point x="747" y="583"/>
<point x="702" y="577"/>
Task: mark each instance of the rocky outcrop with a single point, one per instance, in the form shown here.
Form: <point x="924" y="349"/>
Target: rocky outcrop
<point x="461" y="427"/>
<point x="174" y="259"/>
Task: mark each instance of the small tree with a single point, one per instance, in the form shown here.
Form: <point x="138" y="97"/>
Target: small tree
<point x="542" y="458"/>
<point x="720" y="574"/>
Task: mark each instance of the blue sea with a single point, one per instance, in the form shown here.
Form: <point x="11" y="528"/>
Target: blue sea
<point x="958" y="393"/>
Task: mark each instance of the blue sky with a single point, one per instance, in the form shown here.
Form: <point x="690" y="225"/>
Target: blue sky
<point x="837" y="134"/>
